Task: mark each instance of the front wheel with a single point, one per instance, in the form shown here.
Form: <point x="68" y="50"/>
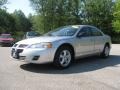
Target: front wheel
<point x="63" y="57"/>
<point x="105" y="52"/>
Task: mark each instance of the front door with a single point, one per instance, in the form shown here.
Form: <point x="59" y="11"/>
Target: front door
<point x="85" y="43"/>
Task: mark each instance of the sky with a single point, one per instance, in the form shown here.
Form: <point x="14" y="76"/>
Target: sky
<point x="23" y="5"/>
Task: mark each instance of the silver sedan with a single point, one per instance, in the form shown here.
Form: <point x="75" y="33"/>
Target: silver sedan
<point x="63" y="45"/>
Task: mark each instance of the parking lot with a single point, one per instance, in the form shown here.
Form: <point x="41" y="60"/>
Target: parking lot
<point x="91" y="73"/>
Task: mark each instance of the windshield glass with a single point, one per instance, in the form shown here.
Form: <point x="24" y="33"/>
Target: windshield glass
<point x="5" y="36"/>
<point x="32" y="33"/>
<point x="63" y="31"/>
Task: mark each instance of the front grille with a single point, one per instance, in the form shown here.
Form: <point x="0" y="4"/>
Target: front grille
<point x="15" y="53"/>
<point x="23" y="45"/>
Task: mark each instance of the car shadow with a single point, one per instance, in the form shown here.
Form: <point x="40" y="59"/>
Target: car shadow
<point x="80" y="66"/>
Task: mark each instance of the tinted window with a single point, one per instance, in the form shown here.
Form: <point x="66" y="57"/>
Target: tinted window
<point x="96" y="32"/>
<point x="84" y="32"/>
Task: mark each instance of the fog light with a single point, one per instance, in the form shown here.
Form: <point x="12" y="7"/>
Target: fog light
<point x="35" y="57"/>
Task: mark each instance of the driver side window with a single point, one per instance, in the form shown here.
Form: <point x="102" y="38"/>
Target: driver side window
<point x="84" y="32"/>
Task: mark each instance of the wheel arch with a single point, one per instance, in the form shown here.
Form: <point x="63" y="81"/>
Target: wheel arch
<point x="66" y="45"/>
<point x="107" y="44"/>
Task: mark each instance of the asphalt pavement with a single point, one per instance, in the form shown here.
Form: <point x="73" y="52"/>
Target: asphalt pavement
<point x="91" y="73"/>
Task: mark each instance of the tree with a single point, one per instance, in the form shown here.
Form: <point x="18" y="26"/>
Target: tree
<point x="55" y="13"/>
<point x="36" y="20"/>
<point x="98" y="13"/>
<point x="21" y="22"/>
<point x="2" y="3"/>
<point x="7" y="23"/>
<point x="116" y="20"/>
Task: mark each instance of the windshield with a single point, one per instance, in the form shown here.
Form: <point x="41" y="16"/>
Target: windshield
<point x="32" y="33"/>
<point x="5" y="36"/>
<point x="63" y="31"/>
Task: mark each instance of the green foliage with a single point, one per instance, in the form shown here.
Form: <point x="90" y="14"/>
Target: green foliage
<point x="15" y="23"/>
<point x="7" y="22"/>
<point x="36" y="23"/>
<point x="105" y="14"/>
<point x="99" y="13"/>
<point x="116" y="39"/>
<point x="55" y="13"/>
<point x="116" y="20"/>
<point x="21" y="22"/>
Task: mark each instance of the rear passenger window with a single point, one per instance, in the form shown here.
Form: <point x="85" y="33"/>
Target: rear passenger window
<point x="96" y="32"/>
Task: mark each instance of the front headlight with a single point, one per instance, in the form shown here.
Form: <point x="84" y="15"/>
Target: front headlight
<point x="41" y="45"/>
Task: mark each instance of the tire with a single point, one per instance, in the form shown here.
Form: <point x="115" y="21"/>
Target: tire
<point x="106" y="52"/>
<point x="63" y="57"/>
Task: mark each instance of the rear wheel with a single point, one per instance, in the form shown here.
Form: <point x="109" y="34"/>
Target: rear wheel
<point x="105" y="52"/>
<point x="63" y="57"/>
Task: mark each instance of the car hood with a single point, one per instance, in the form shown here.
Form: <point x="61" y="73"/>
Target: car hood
<point x="41" y="39"/>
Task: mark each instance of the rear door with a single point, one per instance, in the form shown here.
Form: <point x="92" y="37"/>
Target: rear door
<point x="98" y="38"/>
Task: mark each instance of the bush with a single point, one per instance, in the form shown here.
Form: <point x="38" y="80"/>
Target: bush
<point x="116" y="40"/>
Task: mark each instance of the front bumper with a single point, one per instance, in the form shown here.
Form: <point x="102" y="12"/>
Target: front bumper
<point x="33" y="55"/>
